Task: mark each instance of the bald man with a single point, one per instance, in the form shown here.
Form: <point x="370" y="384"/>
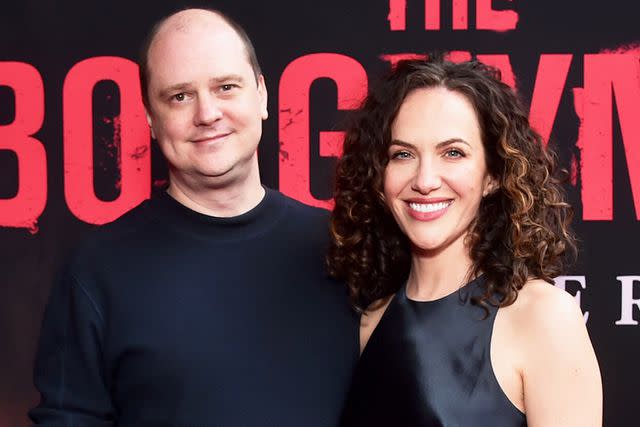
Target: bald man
<point x="210" y="304"/>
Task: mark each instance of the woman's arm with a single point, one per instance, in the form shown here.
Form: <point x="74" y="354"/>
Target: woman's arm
<point x="561" y="379"/>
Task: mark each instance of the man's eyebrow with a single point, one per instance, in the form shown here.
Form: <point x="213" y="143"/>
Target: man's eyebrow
<point x="183" y="87"/>
<point x="178" y="87"/>
<point x="227" y="78"/>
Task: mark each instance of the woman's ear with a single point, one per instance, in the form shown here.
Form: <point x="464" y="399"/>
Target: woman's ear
<point x="490" y="186"/>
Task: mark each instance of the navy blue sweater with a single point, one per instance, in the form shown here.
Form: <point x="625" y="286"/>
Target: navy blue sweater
<point x="168" y="317"/>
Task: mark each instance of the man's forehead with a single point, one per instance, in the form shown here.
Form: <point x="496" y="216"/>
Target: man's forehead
<point x="193" y="28"/>
<point x="193" y="21"/>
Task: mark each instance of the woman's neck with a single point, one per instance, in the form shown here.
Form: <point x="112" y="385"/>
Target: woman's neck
<point x="435" y="275"/>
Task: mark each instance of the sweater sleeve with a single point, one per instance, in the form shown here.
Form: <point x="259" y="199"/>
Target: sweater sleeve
<point x="69" y="361"/>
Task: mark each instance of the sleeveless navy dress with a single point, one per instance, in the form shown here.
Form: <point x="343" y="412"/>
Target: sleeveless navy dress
<point x="428" y="364"/>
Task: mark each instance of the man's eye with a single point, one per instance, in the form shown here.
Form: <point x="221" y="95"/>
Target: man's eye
<point x="228" y="87"/>
<point x="179" y="97"/>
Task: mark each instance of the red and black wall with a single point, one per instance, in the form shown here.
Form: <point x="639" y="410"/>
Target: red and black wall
<point x="75" y="149"/>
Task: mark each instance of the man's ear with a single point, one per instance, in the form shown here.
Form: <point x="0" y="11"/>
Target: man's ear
<point x="150" y="121"/>
<point x="262" y="93"/>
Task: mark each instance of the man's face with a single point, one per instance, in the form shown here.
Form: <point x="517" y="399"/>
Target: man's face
<point x="205" y="106"/>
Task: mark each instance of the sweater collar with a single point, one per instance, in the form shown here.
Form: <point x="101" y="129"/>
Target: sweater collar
<point x="256" y="221"/>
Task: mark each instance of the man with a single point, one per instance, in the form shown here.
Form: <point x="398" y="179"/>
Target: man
<point x="209" y="305"/>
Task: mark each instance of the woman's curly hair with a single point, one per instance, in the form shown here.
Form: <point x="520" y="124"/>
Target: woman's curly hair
<point x="522" y="228"/>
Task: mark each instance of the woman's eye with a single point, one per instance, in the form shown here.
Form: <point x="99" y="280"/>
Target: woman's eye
<point x="401" y="155"/>
<point x="454" y="153"/>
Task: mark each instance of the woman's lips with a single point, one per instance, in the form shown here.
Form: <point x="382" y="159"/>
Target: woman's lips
<point x="428" y="210"/>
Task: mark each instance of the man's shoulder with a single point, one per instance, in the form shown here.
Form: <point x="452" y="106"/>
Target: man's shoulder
<point x="305" y="219"/>
<point x="117" y="235"/>
<point x="302" y="211"/>
<point x="131" y="221"/>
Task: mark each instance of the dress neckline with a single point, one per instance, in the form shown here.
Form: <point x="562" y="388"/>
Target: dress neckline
<point x="463" y="292"/>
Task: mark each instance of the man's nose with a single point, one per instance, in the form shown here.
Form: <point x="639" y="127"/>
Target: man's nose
<point x="208" y="110"/>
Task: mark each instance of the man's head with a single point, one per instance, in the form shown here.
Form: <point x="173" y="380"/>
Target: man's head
<point x="144" y="51"/>
<point x="205" y="98"/>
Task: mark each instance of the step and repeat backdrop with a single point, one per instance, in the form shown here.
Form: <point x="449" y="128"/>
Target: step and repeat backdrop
<point x="75" y="149"/>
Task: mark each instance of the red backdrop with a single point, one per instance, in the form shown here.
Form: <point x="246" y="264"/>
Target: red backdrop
<point x="75" y="149"/>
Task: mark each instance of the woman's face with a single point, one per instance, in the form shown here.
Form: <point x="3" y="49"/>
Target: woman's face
<point x="437" y="174"/>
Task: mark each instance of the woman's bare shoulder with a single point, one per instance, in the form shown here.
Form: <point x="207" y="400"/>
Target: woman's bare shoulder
<point x="555" y="357"/>
<point x="540" y="305"/>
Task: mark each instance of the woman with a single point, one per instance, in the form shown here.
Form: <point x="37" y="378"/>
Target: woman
<point x="448" y="227"/>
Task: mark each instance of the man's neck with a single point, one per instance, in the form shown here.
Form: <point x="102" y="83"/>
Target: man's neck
<point x="219" y="201"/>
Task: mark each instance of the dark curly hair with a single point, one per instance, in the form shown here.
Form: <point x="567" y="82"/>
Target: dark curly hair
<point x="522" y="228"/>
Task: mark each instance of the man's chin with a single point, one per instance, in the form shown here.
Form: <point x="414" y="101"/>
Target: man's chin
<point x="219" y="177"/>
